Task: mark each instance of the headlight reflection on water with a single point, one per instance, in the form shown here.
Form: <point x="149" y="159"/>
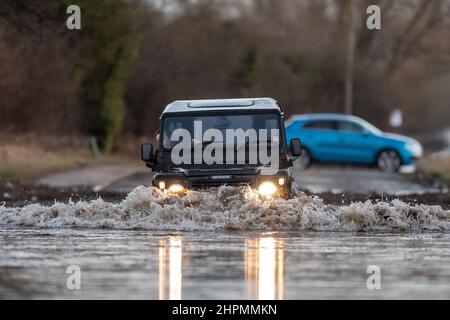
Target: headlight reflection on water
<point x="264" y="268"/>
<point x="170" y="268"/>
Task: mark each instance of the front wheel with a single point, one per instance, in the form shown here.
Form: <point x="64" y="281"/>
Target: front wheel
<point x="389" y="161"/>
<point x="289" y="191"/>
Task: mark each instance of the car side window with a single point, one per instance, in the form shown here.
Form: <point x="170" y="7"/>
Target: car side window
<point x="349" y="126"/>
<point x="320" y="125"/>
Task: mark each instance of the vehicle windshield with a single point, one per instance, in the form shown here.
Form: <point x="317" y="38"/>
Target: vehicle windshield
<point x="221" y="122"/>
<point x="370" y="127"/>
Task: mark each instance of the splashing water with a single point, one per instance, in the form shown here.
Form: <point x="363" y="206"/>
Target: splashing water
<point x="227" y="208"/>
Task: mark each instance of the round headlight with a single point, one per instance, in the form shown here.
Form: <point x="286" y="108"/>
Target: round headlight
<point x="162" y="185"/>
<point x="176" y="188"/>
<point x="267" y="188"/>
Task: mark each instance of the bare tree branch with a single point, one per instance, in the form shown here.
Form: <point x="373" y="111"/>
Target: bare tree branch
<point x="411" y="34"/>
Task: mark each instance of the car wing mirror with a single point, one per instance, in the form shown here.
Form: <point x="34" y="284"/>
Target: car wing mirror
<point x="296" y="147"/>
<point x="147" y="153"/>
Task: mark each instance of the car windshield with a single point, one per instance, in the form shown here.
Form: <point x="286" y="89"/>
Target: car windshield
<point x="221" y="122"/>
<point x="370" y="127"/>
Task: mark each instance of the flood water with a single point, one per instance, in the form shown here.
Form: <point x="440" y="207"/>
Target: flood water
<point x="224" y="244"/>
<point x="222" y="265"/>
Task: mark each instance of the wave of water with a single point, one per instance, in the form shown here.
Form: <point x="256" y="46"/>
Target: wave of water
<point x="227" y="208"/>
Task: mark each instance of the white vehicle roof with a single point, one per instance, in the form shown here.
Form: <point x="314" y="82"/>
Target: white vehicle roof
<point x="243" y="104"/>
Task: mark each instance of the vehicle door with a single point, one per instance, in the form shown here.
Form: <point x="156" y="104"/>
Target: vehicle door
<point x="354" y="143"/>
<point x="319" y="137"/>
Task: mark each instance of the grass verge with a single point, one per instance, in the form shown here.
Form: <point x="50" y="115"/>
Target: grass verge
<point x="26" y="157"/>
<point x="437" y="165"/>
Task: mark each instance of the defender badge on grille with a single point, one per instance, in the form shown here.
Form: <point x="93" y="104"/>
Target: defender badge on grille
<point x="220" y="177"/>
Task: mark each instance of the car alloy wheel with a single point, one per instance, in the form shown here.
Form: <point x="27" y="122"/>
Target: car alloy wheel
<point x="388" y="161"/>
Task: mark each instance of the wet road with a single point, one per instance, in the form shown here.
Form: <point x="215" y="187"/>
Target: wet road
<point x="320" y="179"/>
<point x="224" y="265"/>
<point x="212" y="262"/>
<point x="317" y="179"/>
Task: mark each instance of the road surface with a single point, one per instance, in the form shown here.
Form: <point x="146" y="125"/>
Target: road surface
<point x="150" y="245"/>
<point x="116" y="264"/>
<point x="318" y="179"/>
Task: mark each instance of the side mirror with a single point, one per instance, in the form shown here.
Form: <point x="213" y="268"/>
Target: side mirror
<point x="296" y="147"/>
<point x="147" y="152"/>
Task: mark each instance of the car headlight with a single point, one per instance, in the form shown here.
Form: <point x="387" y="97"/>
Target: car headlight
<point x="162" y="185"/>
<point x="267" y="189"/>
<point x="176" y="188"/>
<point x="414" y="148"/>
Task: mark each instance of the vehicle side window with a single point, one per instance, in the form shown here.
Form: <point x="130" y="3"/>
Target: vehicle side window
<point x="349" y="126"/>
<point x="320" y="125"/>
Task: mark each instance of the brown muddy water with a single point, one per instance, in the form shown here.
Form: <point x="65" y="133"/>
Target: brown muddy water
<point x="224" y="244"/>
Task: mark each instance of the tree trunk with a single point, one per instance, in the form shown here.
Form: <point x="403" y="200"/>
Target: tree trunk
<point x="350" y="56"/>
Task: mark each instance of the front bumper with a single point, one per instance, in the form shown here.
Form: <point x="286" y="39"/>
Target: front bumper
<point x="282" y="180"/>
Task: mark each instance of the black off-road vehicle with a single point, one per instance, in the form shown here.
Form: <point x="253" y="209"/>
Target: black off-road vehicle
<point x="234" y="120"/>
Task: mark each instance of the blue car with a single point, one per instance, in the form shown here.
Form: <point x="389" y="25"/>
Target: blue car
<point x="339" y="138"/>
